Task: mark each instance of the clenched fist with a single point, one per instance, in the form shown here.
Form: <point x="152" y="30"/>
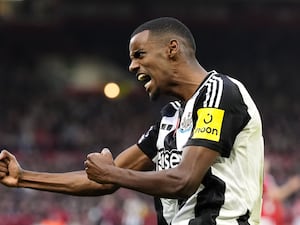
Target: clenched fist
<point x="99" y="165"/>
<point x="10" y="170"/>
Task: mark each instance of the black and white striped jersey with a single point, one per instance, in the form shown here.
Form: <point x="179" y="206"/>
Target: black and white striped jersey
<point x="221" y="116"/>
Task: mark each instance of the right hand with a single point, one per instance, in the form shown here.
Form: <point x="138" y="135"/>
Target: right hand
<point x="10" y="170"/>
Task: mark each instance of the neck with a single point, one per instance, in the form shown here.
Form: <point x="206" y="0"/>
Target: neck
<point x="188" y="80"/>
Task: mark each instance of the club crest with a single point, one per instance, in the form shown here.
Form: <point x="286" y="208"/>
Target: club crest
<point x="186" y="123"/>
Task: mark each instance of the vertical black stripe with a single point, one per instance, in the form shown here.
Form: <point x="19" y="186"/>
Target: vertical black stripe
<point x="243" y="220"/>
<point x="209" y="201"/>
<point x="159" y="211"/>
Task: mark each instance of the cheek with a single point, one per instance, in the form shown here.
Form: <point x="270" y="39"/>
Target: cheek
<point x="160" y="69"/>
<point x="157" y="68"/>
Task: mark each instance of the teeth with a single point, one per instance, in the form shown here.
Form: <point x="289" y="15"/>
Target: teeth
<point x="142" y="77"/>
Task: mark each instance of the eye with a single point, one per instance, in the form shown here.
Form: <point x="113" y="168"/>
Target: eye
<point x="138" y="54"/>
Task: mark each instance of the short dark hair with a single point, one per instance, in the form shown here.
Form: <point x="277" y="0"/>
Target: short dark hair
<point x="167" y="25"/>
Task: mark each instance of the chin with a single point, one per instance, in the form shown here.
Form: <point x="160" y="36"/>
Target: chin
<point x="154" y="96"/>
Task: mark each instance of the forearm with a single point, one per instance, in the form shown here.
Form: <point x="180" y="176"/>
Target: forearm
<point x="72" y="183"/>
<point x="178" y="182"/>
<point x="281" y="193"/>
<point x="165" y="184"/>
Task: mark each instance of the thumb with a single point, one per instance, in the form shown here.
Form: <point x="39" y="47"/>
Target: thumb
<point x="106" y="152"/>
<point x="5" y="154"/>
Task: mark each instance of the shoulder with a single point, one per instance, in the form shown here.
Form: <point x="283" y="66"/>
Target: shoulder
<point x="230" y="85"/>
<point x="170" y="109"/>
<point x="233" y="91"/>
<point x="220" y="90"/>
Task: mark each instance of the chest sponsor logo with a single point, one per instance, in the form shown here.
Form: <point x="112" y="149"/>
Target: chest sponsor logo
<point x="168" y="159"/>
<point x="209" y="124"/>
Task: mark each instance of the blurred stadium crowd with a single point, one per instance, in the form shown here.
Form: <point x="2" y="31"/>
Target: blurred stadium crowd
<point x="54" y="132"/>
<point x="51" y="126"/>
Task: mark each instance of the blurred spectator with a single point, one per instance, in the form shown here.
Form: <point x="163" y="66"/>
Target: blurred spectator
<point x="52" y="128"/>
<point x="274" y="196"/>
<point x="296" y="212"/>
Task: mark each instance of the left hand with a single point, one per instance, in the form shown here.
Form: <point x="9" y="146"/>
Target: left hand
<point x="98" y="165"/>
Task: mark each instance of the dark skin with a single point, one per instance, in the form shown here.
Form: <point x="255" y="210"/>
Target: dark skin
<point x="172" y="69"/>
<point x="179" y="182"/>
<point x="72" y="183"/>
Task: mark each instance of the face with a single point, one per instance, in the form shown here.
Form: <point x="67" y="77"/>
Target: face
<point x="149" y="62"/>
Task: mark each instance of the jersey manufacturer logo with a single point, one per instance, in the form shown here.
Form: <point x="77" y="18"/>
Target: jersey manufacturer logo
<point x="209" y="124"/>
<point x="145" y="135"/>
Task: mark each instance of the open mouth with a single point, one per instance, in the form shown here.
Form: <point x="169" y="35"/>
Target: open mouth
<point x="143" y="77"/>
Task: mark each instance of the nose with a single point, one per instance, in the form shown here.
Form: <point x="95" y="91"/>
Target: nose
<point x="134" y="66"/>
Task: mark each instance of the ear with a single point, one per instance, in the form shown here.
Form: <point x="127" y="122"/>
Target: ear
<point x="173" y="48"/>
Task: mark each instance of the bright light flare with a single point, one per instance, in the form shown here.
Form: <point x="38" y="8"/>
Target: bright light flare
<point x="111" y="90"/>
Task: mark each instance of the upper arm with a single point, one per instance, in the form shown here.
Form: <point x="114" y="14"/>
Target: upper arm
<point x="134" y="158"/>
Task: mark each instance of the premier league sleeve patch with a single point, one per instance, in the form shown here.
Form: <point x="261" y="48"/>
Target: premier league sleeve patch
<point x="209" y="124"/>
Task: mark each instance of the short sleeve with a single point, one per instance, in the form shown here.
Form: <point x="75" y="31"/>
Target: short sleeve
<point x="147" y="142"/>
<point x="216" y="126"/>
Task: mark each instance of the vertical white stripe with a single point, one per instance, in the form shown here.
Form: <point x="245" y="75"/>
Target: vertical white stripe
<point x="207" y="94"/>
<point x="213" y="92"/>
<point x="175" y="104"/>
<point x="220" y="91"/>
